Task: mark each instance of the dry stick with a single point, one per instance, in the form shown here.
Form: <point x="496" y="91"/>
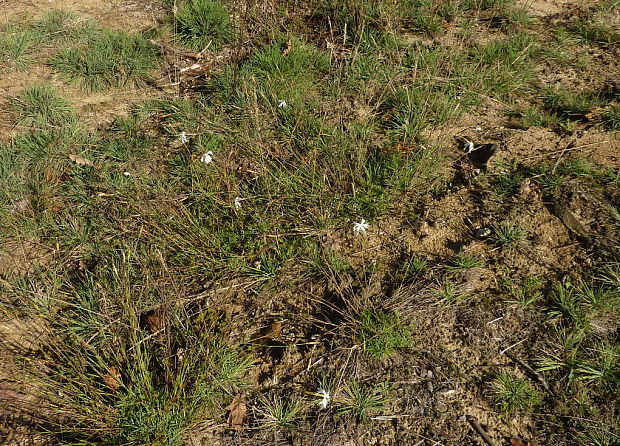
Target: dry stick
<point x="511" y="346"/>
<point x="483" y="434"/>
<point x="529" y="369"/>
<point x="557" y="163"/>
<point x="542" y="155"/>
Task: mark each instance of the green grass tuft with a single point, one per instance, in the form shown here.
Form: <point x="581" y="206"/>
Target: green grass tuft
<point x="363" y="401"/>
<point x="610" y="118"/>
<point x="111" y="59"/>
<point x="381" y="334"/>
<point x="203" y="23"/>
<point x="60" y="26"/>
<point x="40" y="106"/>
<point x="280" y="413"/>
<point x="15" y="49"/>
<point x="514" y="394"/>
<point x="506" y="234"/>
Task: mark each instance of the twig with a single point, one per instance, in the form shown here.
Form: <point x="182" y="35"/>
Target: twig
<point x="511" y="346"/>
<point x="562" y="151"/>
<point x="557" y="163"/>
<point x="391" y="417"/>
<point x="483" y="434"/>
<point x="495" y="320"/>
<point x="530" y="370"/>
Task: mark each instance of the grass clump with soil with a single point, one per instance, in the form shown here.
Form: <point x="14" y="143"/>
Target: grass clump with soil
<point x="41" y="106"/>
<point x="381" y="334"/>
<point x="15" y="47"/>
<point x="323" y="222"/>
<point x="514" y="394"/>
<point x="203" y="23"/>
<point x="111" y="59"/>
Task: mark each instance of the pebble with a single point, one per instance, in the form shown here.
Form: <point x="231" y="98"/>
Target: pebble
<point x="591" y="241"/>
<point x="441" y="407"/>
<point x="429" y="384"/>
<point x="447" y="392"/>
<point x="482" y="233"/>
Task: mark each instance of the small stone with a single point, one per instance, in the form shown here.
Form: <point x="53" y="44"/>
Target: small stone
<point x="441" y="407"/>
<point x="429" y="383"/>
<point x="482" y="233"/>
<point x="20" y="206"/>
<point x="447" y="392"/>
<point x="592" y="242"/>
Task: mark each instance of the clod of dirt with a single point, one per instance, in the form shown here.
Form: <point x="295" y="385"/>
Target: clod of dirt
<point x="429" y="382"/>
<point x="20" y="257"/>
<point x="587" y="214"/>
<point x="528" y="192"/>
<point x="77" y="159"/>
<point x="473" y="279"/>
<point x="571" y="220"/>
<point x="441" y="407"/>
<point x="22" y="335"/>
<point x="271" y="331"/>
<point x="518" y="442"/>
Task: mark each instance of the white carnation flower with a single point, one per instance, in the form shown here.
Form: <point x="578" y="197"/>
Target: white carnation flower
<point x="207" y="158"/>
<point x="360" y="228"/>
<point x="468" y="147"/>
<point x="326" y="397"/>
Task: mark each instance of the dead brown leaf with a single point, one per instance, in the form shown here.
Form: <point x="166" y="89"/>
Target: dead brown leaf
<point x="77" y="159"/>
<point x="237" y="412"/>
<point x="153" y="321"/>
<point x="275" y="329"/>
<point x="271" y="331"/>
<point x="596" y="112"/>
<point x="288" y="49"/>
<point x="519" y="442"/>
<point x="112" y="379"/>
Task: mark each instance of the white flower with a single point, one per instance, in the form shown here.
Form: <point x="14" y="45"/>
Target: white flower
<point x="207" y="157"/>
<point x="183" y="138"/>
<point x="238" y="203"/>
<point x="326" y="398"/>
<point x="469" y="146"/>
<point x="127" y="174"/>
<point x="282" y="103"/>
<point x="360" y="228"/>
